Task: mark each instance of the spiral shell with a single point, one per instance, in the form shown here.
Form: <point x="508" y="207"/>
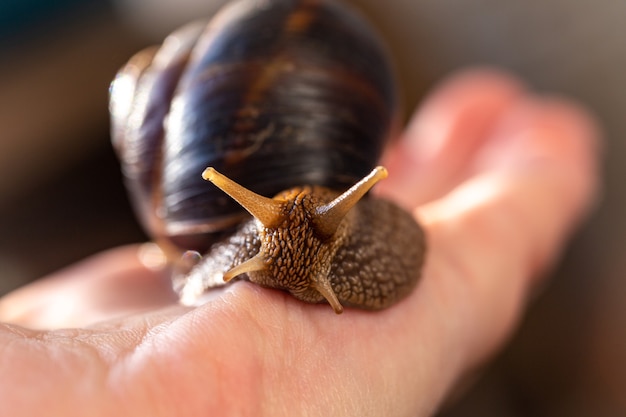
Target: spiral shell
<point x="274" y="94"/>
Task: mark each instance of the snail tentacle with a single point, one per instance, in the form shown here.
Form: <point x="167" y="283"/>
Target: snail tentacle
<point x="328" y="216"/>
<point x="324" y="287"/>
<point x="255" y="264"/>
<point x="265" y="210"/>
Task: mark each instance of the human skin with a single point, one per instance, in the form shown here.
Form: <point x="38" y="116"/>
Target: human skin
<point x="497" y="175"/>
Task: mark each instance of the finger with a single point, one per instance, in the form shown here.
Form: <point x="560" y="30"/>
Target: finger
<point x="112" y="284"/>
<point x="444" y="134"/>
<point x="493" y="235"/>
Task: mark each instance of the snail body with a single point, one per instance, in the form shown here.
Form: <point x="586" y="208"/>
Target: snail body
<point x="285" y="98"/>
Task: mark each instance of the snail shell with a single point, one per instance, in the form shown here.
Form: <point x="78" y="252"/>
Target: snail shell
<point x="280" y="96"/>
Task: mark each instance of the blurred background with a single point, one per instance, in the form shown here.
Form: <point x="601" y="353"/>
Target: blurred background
<point x="61" y="195"/>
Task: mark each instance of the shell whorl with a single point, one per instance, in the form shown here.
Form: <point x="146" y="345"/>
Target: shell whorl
<point x="274" y="94"/>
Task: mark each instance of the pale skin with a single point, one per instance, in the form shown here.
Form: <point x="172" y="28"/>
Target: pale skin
<point x="498" y="176"/>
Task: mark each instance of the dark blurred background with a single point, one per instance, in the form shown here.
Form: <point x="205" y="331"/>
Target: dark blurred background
<point x="61" y="195"/>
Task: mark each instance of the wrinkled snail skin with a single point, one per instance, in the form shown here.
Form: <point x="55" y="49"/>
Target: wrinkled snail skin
<point x="377" y="260"/>
<point x="287" y="98"/>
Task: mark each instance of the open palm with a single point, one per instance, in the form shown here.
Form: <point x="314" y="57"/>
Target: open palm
<point x="497" y="176"/>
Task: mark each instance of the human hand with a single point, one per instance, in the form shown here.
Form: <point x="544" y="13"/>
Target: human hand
<point x="497" y="176"/>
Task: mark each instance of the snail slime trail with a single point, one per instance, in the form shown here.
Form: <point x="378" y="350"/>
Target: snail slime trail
<point x="284" y="107"/>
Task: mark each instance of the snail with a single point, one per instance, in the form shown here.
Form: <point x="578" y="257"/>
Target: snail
<point x="286" y="107"/>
